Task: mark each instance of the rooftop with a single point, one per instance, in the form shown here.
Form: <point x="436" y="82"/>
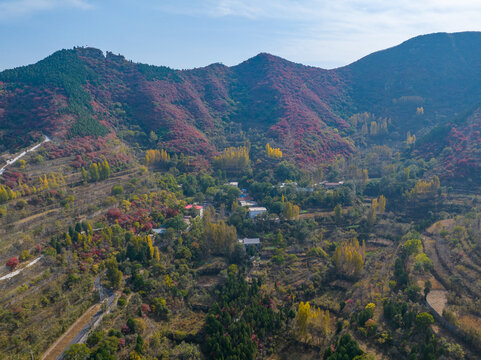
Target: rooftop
<point x="252" y="241"/>
<point x="257" y="208"/>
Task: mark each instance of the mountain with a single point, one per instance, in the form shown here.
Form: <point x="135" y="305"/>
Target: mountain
<point x="439" y="72"/>
<point x="457" y="146"/>
<point x="306" y="111"/>
<point x="83" y="90"/>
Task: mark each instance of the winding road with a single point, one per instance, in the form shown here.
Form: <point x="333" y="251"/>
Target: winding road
<point x="22" y="154"/>
<point x="87" y="322"/>
<point x="16" y="272"/>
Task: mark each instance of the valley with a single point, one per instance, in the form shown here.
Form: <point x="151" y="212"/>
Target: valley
<point x="268" y="210"/>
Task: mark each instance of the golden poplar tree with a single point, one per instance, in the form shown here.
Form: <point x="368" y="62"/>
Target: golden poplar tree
<point x="233" y="158"/>
<point x="275" y="153"/>
<point x="302" y="318"/>
<point x="382" y="204"/>
<point x="349" y="257"/>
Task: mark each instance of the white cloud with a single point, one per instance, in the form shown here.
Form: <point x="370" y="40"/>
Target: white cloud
<point x="336" y="32"/>
<point x="317" y="9"/>
<point x="13" y="9"/>
<point x="345" y="32"/>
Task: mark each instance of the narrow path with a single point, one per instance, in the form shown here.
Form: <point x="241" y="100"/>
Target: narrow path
<point x="34" y="216"/>
<point x="22" y="154"/>
<point x="78" y="332"/>
<point x="16" y="272"/>
<point x="64" y="341"/>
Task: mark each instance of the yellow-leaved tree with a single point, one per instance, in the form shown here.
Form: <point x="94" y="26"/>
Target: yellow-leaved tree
<point x="312" y="323"/>
<point x="156" y="157"/>
<point x="425" y="188"/>
<point x="349" y="257"/>
<point x="290" y="211"/>
<point x="7" y="194"/>
<point x="381" y="208"/>
<point x="275" y="153"/>
<point x="233" y="158"/>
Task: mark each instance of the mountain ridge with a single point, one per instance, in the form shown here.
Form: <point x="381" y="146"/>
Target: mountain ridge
<point x="304" y="110"/>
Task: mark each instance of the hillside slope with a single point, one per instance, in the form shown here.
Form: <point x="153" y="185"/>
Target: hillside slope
<point x="420" y="84"/>
<point x="439" y="72"/>
<point x="81" y="92"/>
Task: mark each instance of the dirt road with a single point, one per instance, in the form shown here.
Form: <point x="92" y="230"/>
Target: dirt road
<point x="71" y="334"/>
<point x="81" y="328"/>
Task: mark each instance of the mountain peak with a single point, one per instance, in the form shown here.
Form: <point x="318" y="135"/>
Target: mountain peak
<point x="303" y="109"/>
<point x="264" y="58"/>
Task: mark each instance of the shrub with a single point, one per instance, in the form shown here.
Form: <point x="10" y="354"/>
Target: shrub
<point x="450" y="317"/>
<point x="122" y="301"/>
<point x="114" y="214"/>
<point x="131" y="325"/>
<point x="424" y="320"/>
<point x="159" y="308"/>
<point x="278" y="259"/>
<point x="422" y="262"/>
<point x="21" y="163"/>
<point x="117" y="190"/>
<point x="20" y="204"/>
<point x="38" y="159"/>
<point x="347" y="348"/>
<point x="94" y="338"/>
<point x="13" y="262"/>
<point x="25" y="255"/>
<point x="413" y="292"/>
<point x="77" y="352"/>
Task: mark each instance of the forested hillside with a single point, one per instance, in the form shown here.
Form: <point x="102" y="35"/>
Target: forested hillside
<point x="268" y="210"/>
<point x="413" y="87"/>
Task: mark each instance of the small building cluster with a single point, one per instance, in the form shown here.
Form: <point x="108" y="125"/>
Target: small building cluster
<point x="187" y="219"/>
<point x="245" y="200"/>
<point x="247" y="203"/>
<point x="295" y="186"/>
<point x="256" y="211"/>
<point x="196" y="207"/>
<point x="331" y="185"/>
<point x="159" y="231"/>
<point x="250" y="242"/>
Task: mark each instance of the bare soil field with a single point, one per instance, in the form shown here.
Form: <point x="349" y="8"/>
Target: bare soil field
<point x="438" y="300"/>
<point x="440" y="225"/>
<point x="470" y="321"/>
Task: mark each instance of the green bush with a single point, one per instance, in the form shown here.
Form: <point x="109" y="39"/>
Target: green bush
<point x="117" y="190"/>
<point x="88" y="126"/>
<point x="122" y="301"/>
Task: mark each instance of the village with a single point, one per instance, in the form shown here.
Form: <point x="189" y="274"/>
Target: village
<point x="254" y="211"/>
<point x="152" y="251"/>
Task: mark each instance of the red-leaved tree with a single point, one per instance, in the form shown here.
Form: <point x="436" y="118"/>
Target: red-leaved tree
<point x="13" y="262"/>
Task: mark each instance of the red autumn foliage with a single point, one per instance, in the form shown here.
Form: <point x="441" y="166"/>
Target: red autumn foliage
<point x="114" y="214"/>
<point x="13" y="262"/>
<point x="458" y="150"/>
<point x="170" y="213"/>
<point x="145" y="308"/>
<point x="289" y="102"/>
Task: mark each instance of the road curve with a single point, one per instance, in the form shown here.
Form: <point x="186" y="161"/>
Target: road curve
<point x="90" y="319"/>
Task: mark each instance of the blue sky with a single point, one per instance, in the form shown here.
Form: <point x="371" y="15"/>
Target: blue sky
<point x="192" y="33"/>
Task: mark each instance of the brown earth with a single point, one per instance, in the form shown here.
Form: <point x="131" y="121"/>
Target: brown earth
<point x="62" y="343"/>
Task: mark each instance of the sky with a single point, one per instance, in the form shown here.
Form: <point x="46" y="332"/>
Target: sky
<point x="193" y="33"/>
